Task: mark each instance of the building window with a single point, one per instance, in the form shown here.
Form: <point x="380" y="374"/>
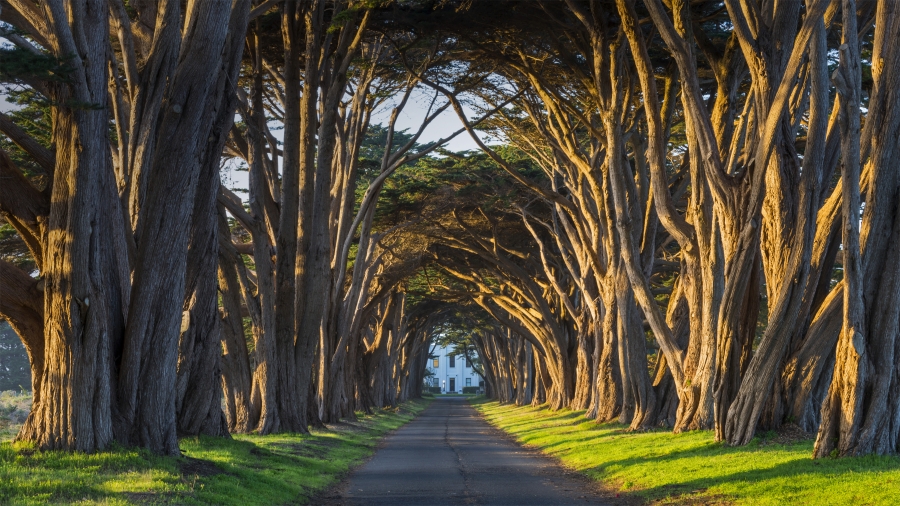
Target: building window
<point x="468" y="382"/>
<point x="452" y="361"/>
<point x="468" y="364"/>
<point x="436" y="363"/>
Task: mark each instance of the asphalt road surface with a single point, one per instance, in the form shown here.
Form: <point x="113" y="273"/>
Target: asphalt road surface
<point x="450" y="455"/>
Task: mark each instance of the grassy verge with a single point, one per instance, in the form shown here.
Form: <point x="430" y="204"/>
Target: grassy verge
<point x="14" y="408"/>
<point x="245" y="470"/>
<point x="665" y="468"/>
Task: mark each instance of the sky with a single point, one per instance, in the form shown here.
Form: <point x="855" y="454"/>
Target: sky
<point x="445" y="124"/>
<point x="410" y="118"/>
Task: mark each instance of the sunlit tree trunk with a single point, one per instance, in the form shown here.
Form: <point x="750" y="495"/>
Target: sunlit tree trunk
<point x="859" y="411"/>
<point x="85" y="287"/>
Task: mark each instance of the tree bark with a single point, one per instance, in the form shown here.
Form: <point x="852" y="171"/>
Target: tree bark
<point x="859" y="411"/>
<point x="84" y="298"/>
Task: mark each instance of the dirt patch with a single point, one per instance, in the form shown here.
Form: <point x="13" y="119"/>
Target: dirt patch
<point x="330" y="497"/>
<point x="689" y="500"/>
<point x="198" y="467"/>
<point x="788" y="434"/>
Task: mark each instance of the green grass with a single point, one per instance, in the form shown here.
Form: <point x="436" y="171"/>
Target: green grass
<point x="659" y="466"/>
<point x="245" y="470"/>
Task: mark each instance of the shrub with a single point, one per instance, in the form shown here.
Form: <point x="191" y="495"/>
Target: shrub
<point x="470" y="390"/>
<point x="434" y="390"/>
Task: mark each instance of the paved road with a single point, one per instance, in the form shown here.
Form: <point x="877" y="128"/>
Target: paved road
<point x="449" y="455"/>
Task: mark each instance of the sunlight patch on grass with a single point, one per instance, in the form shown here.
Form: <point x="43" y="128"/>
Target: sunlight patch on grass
<point x="677" y="468"/>
<point x="247" y="469"/>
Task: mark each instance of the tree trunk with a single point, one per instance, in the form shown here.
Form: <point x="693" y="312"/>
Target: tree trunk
<point x="286" y="412"/>
<point x="859" y="412"/>
<point x="237" y="381"/>
<point x="639" y="401"/>
<point x="84" y="294"/>
<point x="198" y="398"/>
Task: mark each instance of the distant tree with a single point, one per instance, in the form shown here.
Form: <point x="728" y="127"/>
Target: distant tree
<point x="15" y="370"/>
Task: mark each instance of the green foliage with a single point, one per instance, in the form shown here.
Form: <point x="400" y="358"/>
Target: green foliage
<point x="459" y="179"/>
<point x="31" y="113"/>
<point x="19" y="66"/>
<point x="14" y="250"/>
<point x="470" y="390"/>
<point x="245" y="470"/>
<point x="691" y="468"/>
<point x="15" y="372"/>
<point x="353" y="11"/>
<point x="247" y="324"/>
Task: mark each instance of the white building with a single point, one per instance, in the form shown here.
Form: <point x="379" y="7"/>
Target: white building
<point x="451" y="373"/>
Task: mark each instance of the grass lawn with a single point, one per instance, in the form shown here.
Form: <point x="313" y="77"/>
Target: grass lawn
<point x="245" y="470"/>
<point x="691" y="468"/>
